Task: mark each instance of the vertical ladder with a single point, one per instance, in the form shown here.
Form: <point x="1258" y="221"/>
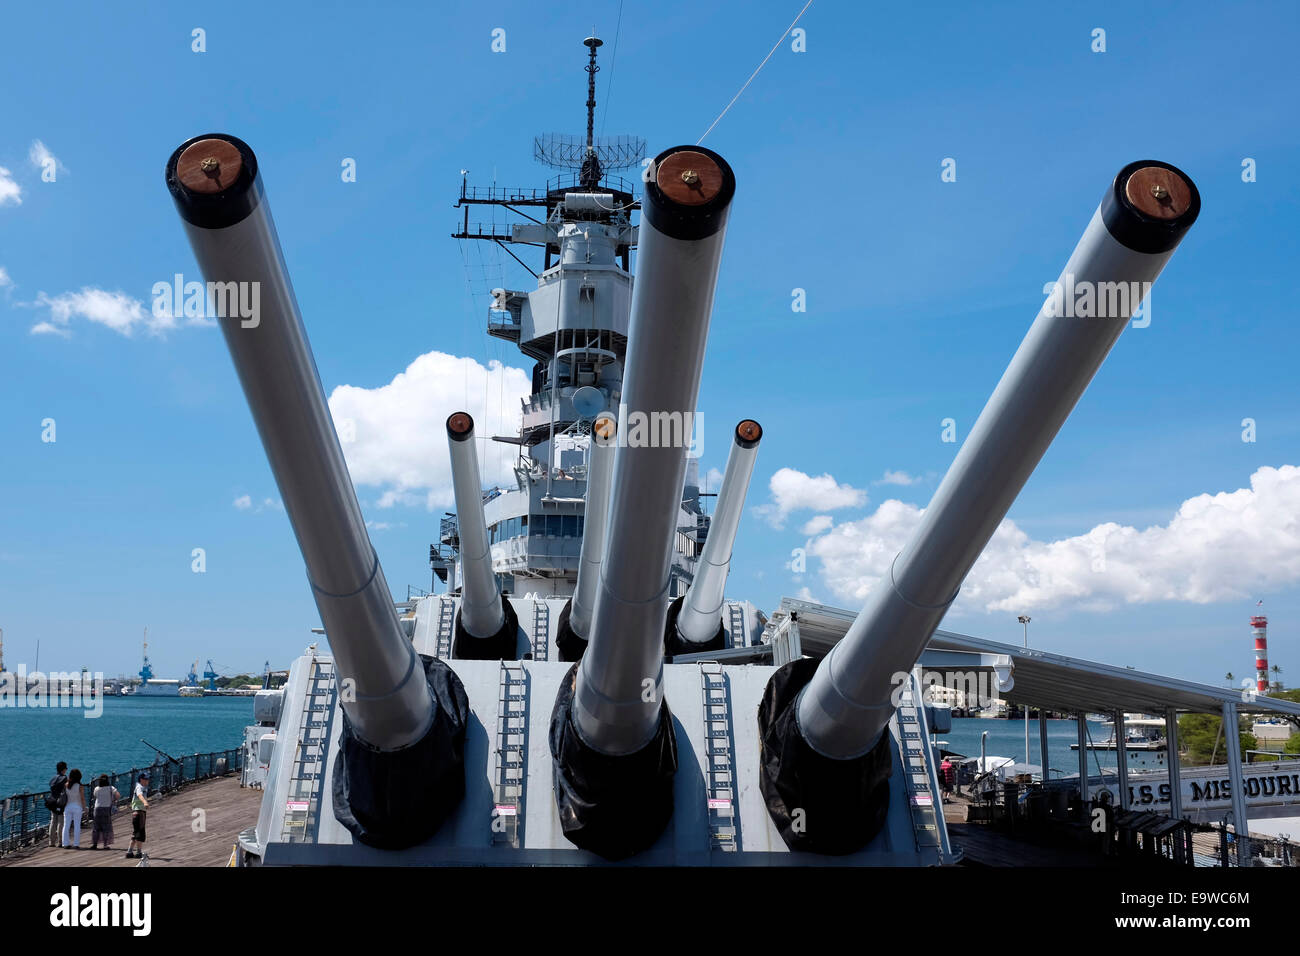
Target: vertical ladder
<point x="541" y="630"/>
<point x="511" y="756"/>
<point x="920" y="782"/>
<point x="446" y="624"/>
<point x="738" y="636"/>
<point x="720" y="765"/>
<point x="302" y="801"/>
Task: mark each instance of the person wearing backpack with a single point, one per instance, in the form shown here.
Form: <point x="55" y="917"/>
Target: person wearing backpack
<point x="56" y="800"/>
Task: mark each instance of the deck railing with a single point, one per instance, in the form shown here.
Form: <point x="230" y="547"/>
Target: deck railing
<point x="24" y="819"/>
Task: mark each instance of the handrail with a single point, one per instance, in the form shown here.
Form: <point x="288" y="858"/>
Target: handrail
<point x="24" y="819"/>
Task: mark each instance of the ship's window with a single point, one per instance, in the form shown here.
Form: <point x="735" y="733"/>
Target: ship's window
<point x="570" y="525"/>
<point x="554" y="527"/>
<point x="538" y="526"/>
<point x="580" y="523"/>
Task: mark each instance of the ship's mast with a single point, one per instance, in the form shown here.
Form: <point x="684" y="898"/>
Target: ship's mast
<point x="591" y="164"/>
<point x="573" y="326"/>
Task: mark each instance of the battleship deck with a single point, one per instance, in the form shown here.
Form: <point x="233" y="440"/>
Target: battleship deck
<point x="228" y="808"/>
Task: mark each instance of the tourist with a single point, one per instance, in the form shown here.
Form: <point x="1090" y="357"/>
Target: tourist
<point x="139" y="804"/>
<point x="947" y="774"/>
<point x="104" y="805"/>
<point x="74" y="809"/>
<point x="55" y="799"/>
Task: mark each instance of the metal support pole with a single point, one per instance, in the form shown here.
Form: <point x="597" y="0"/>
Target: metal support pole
<point x="1042" y="740"/>
<point x="984" y="753"/>
<point x="1083" y="757"/>
<point x="1175" y="769"/>
<point x="1121" y="759"/>
<point x="1232" y="745"/>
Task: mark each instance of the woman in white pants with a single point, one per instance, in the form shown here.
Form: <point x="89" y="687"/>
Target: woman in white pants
<point x="73" y="812"/>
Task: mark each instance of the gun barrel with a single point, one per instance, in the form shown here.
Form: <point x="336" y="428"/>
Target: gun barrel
<point x="218" y="191"/>
<point x="481" y="610"/>
<point x="1131" y="237"/>
<point x="701" y="613"/>
<point x="600" y="471"/>
<point x="683" y="225"/>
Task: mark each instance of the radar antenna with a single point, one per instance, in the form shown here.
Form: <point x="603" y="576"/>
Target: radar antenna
<point x="596" y="156"/>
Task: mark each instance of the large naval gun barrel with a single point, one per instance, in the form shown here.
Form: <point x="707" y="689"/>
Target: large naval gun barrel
<point x="395" y="729"/>
<point x="696" y="622"/>
<point x="600" y="475"/>
<point x="486" y="625"/>
<point x="843" y="710"/>
<point x="612" y="737"/>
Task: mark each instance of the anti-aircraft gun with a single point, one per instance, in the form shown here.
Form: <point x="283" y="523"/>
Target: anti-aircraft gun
<point x="447" y="736"/>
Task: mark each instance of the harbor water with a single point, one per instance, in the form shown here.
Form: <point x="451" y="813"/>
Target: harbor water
<point x="32" y="741"/>
<point x="1007" y="739"/>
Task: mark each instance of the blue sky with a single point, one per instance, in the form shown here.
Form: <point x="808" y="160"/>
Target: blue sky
<point x="918" y="291"/>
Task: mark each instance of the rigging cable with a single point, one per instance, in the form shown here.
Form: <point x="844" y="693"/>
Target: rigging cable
<point x="612" y="57"/>
<point x="779" y="41"/>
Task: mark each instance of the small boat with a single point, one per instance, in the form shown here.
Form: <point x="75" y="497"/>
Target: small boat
<point x="1140" y="733"/>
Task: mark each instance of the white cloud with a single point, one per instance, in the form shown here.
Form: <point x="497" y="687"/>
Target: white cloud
<point x="5" y="281"/>
<point x="1220" y="547"/>
<point x="116" y="310"/>
<point x="40" y="157"/>
<point x="395" y="437"/>
<point x="10" y="191"/>
<point x="817" y="524"/>
<point x="898" y="478"/>
<point x="245" y="503"/>
<point x="712" y="480"/>
<point x="793" y="490"/>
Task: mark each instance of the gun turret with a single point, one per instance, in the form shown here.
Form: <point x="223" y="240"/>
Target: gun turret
<point x="398" y="752"/>
<point x="612" y="736"/>
<point x="575" y="620"/>
<point x="695" y="620"/>
<point x="831" y="755"/>
<point x="486" y="625"/>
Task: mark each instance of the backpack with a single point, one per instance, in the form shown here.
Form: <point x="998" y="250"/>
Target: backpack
<point x="57" y="798"/>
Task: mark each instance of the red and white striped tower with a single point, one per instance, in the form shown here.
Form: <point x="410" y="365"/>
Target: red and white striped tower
<point x="1259" y="627"/>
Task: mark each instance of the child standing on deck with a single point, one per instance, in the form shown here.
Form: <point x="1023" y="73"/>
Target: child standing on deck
<point x="139" y="804"/>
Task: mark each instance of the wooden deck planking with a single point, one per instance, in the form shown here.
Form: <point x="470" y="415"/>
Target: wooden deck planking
<point x="984" y="845"/>
<point x="227" y="809"/>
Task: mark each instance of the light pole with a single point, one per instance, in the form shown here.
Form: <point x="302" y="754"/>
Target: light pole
<point x="1025" y="619"/>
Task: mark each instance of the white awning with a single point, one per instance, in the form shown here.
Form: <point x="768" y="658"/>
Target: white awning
<point x="1044" y="679"/>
